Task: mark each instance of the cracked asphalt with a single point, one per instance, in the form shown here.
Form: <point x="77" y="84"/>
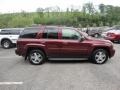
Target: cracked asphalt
<point x="59" y="75"/>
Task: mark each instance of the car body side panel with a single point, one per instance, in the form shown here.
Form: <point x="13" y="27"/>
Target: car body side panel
<point x="74" y="49"/>
<point x="24" y="44"/>
<point x="12" y="38"/>
<point x="52" y="47"/>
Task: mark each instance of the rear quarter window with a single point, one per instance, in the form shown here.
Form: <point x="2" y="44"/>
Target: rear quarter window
<point x="29" y="33"/>
<point x="10" y="32"/>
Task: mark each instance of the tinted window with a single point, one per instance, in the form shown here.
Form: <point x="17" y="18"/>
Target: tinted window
<point x="50" y="33"/>
<point x="70" y="34"/>
<point x="29" y="33"/>
<point x="10" y="32"/>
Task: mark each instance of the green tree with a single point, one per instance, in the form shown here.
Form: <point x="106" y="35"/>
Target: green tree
<point x="102" y="8"/>
<point x="40" y="12"/>
<point x="20" y="22"/>
<point x="89" y="8"/>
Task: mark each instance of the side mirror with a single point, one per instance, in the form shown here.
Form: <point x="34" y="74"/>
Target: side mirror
<point x="81" y="39"/>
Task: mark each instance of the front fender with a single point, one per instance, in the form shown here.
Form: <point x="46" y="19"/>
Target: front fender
<point x="98" y="46"/>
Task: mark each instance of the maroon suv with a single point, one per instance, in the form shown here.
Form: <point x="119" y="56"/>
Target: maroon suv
<point x="37" y="44"/>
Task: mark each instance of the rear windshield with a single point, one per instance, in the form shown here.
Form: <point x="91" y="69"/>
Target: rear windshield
<point x="29" y="33"/>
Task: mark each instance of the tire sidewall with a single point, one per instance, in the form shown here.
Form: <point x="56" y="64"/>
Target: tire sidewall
<point x="8" y="41"/>
<point x="40" y="52"/>
<point x="96" y="51"/>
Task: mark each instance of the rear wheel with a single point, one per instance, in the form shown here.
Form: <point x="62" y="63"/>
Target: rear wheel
<point x="100" y="56"/>
<point x="36" y="57"/>
<point x="6" y="44"/>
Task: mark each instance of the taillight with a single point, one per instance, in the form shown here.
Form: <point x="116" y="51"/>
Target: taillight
<point x="110" y="34"/>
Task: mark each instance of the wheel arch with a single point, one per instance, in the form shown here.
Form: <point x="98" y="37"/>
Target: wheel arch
<point x="5" y="39"/>
<point x="105" y="48"/>
<point x="34" y="48"/>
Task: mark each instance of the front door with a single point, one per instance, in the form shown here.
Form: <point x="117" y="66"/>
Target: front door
<point x="72" y="47"/>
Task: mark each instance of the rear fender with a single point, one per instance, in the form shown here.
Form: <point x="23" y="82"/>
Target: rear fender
<point x="40" y="46"/>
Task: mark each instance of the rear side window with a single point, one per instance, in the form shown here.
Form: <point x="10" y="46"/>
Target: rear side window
<point x="50" y="33"/>
<point x="29" y="33"/>
<point x="10" y="32"/>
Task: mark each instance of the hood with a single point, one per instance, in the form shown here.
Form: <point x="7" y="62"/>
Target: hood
<point x="99" y="41"/>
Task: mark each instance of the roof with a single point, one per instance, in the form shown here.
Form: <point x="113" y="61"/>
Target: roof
<point x="12" y="29"/>
<point x="50" y="26"/>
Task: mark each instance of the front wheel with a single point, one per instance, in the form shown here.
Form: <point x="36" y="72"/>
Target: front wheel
<point x="36" y="57"/>
<point x="100" y="56"/>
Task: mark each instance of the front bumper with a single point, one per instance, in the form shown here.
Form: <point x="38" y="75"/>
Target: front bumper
<point x="17" y="52"/>
<point x="112" y="52"/>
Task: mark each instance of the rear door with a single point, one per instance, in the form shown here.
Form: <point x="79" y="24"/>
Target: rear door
<point x="51" y="39"/>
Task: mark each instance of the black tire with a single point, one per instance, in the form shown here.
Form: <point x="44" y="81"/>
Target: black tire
<point x="100" y="60"/>
<point x="6" y="44"/>
<point x="119" y="41"/>
<point x="40" y="60"/>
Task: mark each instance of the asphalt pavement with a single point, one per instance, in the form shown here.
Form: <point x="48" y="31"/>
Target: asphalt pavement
<point x="18" y="74"/>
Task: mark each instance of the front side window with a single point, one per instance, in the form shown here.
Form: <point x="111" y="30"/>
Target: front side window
<point x="50" y="33"/>
<point x="70" y="34"/>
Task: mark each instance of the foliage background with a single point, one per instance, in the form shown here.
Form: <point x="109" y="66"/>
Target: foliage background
<point x="89" y="15"/>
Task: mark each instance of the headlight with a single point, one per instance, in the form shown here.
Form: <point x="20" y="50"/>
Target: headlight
<point x="109" y="43"/>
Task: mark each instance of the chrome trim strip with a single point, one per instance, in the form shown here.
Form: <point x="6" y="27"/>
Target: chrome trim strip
<point x="68" y="58"/>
